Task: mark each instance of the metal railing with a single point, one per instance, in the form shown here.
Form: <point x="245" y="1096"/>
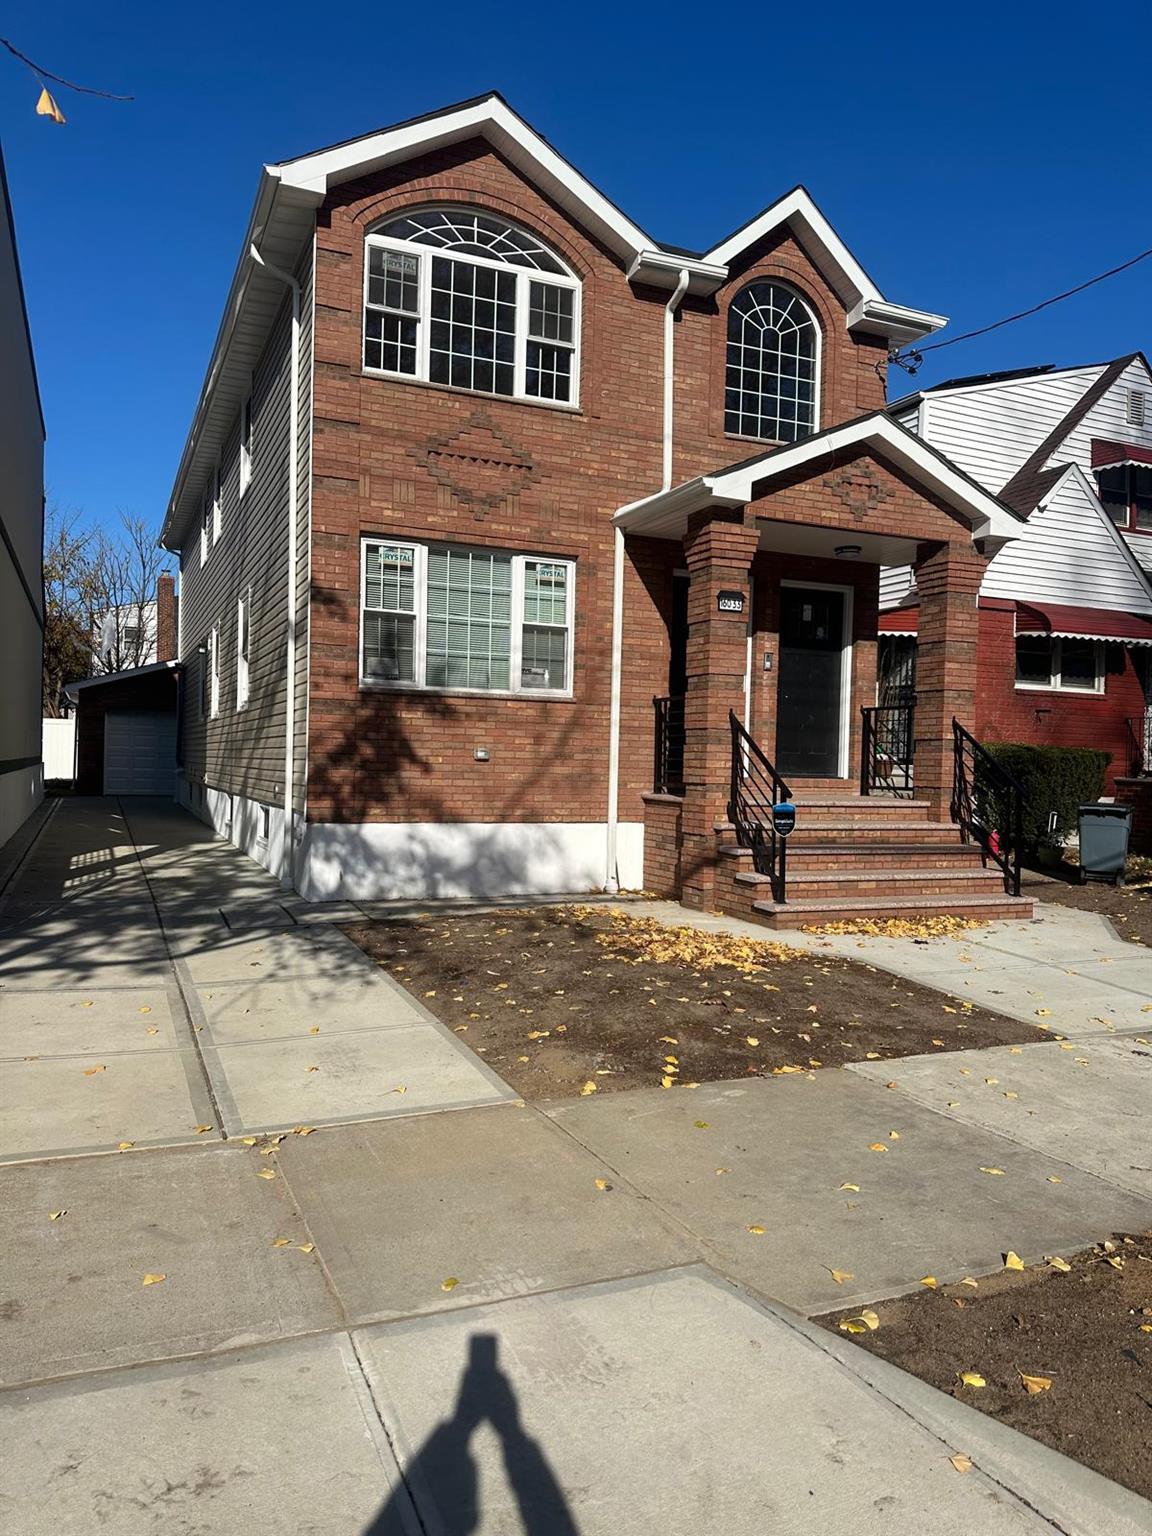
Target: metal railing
<point x="668" y="770"/>
<point x="987" y="805"/>
<point x="755" y="787"/>
<point x="887" y="745"/>
<point x="1140" y="743"/>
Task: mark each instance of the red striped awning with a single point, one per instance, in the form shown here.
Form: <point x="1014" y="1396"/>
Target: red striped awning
<point x="898" y="621"/>
<point x="1107" y="454"/>
<point x="1083" y="623"/>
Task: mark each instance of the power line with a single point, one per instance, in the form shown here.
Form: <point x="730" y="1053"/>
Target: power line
<point x="912" y="359"/>
<point x="46" y="74"/>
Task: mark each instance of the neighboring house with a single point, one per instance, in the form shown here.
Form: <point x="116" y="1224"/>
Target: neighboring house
<point x="1066" y="610"/>
<point x="21" y="543"/>
<point x="485" y="488"/>
<point x="126" y="637"/>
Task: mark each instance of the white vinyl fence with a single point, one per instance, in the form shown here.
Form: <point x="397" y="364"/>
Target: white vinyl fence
<point x="60" y="749"/>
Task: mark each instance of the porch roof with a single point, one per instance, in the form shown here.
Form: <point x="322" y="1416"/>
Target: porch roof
<point x="665" y="514"/>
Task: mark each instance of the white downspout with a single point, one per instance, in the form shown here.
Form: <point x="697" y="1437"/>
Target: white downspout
<point x="611" y="882"/>
<point x="288" y="868"/>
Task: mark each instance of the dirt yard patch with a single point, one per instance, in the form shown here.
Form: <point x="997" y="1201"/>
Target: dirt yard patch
<point x="1066" y="1357"/>
<point x="1129" y="906"/>
<point x="560" y="998"/>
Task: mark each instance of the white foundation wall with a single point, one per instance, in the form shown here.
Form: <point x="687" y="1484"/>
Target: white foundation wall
<point x="21" y="791"/>
<point x="389" y="861"/>
<point x="238" y="820"/>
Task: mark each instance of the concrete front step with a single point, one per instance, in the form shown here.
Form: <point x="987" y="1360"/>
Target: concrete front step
<point x="882" y="884"/>
<point x="805" y="914"/>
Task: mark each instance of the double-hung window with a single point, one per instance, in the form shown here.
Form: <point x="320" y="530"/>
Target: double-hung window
<point x="1060" y="662"/>
<point x="1126" y="493"/>
<point x="210" y="677"/>
<point x="243" y="643"/>
<point x="462" y="298"/>
<point x="205" y="528"/>
<point x="217" y="510"/>
<point x="452" y="617"/>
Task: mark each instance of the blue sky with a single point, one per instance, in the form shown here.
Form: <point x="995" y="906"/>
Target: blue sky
<point x="976" y="159"/>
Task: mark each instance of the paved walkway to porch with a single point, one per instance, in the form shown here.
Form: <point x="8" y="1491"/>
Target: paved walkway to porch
<point x="463" y="1331"/>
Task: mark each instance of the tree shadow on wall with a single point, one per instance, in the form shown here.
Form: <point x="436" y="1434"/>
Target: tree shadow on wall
<point x="400" y="758"/>
<point x="443" y="1476"/>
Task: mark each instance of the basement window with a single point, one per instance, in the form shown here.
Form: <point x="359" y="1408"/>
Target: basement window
<point x="451" y="618"/>
<point x="1059" y="662"/>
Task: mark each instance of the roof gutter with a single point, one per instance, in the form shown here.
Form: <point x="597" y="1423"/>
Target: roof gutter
<point x="288" y="868"/>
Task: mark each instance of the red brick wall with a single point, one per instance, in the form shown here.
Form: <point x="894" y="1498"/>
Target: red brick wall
<point x="378" y="468"/>
<point x="1007" y="713"/>
<point x="1138" y="794"/>
<point x="663" y="843"/>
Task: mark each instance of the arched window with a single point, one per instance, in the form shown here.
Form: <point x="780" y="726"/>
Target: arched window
<point x="773" y="364"/>
<point x="460" y="297"/>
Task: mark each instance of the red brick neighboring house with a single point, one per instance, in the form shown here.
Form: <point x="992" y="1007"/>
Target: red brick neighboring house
<point x="487" y="490"/>
<point x="1065" y="610"/>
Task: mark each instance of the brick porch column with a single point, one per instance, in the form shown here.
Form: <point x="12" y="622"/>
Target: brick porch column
<point x="948" y="578"/>
<point x="718" y="551"/>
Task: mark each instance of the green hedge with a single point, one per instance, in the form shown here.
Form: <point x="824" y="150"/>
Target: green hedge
<point x="1059" y="779"/>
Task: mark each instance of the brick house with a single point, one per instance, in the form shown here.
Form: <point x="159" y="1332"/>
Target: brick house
<point x="486" y="490"/>
<point x="1065" y="611"/>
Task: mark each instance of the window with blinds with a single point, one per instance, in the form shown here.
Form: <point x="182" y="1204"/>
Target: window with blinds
<point x="452" y="617"/>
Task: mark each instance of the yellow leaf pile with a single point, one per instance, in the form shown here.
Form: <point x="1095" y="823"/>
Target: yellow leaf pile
<point x="942" y="926"/>
<point x="639" y="940"/>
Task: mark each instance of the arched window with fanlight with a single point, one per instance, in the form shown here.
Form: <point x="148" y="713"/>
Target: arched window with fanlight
<point x="771" y="384"/>
<point x="460" y="297"/>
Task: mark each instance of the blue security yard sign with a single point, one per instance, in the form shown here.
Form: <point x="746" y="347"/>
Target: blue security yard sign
<point x="783" y="818"/>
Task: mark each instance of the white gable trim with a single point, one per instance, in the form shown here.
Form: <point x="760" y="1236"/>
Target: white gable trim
<point x="734" y="487"/>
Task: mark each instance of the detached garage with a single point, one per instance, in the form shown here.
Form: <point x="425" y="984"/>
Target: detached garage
<point x="126" y="741"/>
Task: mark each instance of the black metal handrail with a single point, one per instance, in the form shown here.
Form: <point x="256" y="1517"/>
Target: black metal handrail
<point x="668" y="770"/>
<point x="887" y="742"/>
<point x="754" y="789"/>
<point x="987" y="804"/>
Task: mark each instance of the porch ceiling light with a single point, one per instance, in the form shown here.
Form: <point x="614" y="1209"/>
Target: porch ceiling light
<point x="848" y="551"/>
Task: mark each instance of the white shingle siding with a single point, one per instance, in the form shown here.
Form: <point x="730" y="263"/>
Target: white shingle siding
<point x="896" y="585"/>
<point x="1069" y="553"/>
<point x="989" y="430"/>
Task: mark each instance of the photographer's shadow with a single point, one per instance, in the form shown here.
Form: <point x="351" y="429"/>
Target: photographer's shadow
<point x="443" y="1476"/>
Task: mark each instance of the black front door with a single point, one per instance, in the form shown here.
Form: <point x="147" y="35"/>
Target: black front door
<point x="809" y="686"/>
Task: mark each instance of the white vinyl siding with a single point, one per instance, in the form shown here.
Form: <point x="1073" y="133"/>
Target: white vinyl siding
<point x="457" y="619"/>
<point x="1068" y="552"/>
<point x="1108" y="419"/>
<point x="897" y="585"/>
<point x="990" y="430"/>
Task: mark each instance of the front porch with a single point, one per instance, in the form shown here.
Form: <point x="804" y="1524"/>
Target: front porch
<point x="772" y="643"/>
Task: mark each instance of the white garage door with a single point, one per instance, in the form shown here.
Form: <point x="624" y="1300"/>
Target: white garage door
<point x="139" y="753"/>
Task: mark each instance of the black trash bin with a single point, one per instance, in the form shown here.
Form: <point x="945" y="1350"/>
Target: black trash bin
<point x="1104" y="830"/>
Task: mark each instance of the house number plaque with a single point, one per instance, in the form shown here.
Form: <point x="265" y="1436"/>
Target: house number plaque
<point x="730" y="602"/>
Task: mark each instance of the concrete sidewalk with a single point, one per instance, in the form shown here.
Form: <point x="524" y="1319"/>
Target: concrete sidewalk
<point x="152" y="983"/>
<point x="478" y="1316"/>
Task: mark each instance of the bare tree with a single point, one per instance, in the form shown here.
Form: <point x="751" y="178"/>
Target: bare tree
<point x="99" y="592"/>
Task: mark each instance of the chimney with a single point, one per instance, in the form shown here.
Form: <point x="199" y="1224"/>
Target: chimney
<point x="165" y="617"/>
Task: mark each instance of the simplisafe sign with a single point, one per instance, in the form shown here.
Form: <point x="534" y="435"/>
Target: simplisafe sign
<point x="783" y="818"/>
<point x="730" y="602"/>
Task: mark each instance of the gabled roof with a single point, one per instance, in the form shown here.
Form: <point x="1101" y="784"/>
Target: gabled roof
<point x="290" y="191"/>
<point x="1021" y="482"/>
<point x="1006" y="376"/>
<point x="663" y="514"/>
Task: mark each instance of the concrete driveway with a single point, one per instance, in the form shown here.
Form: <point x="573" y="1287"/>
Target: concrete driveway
<point x="154" y="982"/>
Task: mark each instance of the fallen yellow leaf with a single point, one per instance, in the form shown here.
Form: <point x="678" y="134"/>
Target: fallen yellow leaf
<point x="929" y="1281"/>
<point x="314" y="1030"/>
<point x="961" y="1462"/>
<point x="1054" y="1178"/>
<point x="125" y="1146"/>
<point x="1057" y="1263"/>
<point x="840" y="1275"/>
<point x="877" y="1146"/>
<point x="667" y="1082"/>
<point x="153" y="1279"/>
<point x="589" y="1087"/>
<point x="305" y="1247"/>
<point x="968" y="1280"/>
<point x="863" y="1322"/>
<point x="752" y="1039"/>
<point x="893" y="1135"/>
<point x="670" y="1039"/>
<point x="200" y="1129"/>
<point x="450" y="1284"/>
<point x="855" y="1188"/>
<point x="56" y="1215"/>
<point x="303" y="1130"/>
<point x="972" y="1379"/>
<point x="701" y="1125"/>
<point x="991" y="1170"/>
<point x="145" y="1009"/>
<point x="281" y="1242"/>
<point x="1034" y="1384"/>
<point x="756" y="1229"/>
<point x="249" y="1141"/>
<point x="266" y="1173"/>
<point x="1013" y="1260"/>
<point x="92" y="1071"/>
<point x="153" y="1031"/>
<point x="603" y="1184"/>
